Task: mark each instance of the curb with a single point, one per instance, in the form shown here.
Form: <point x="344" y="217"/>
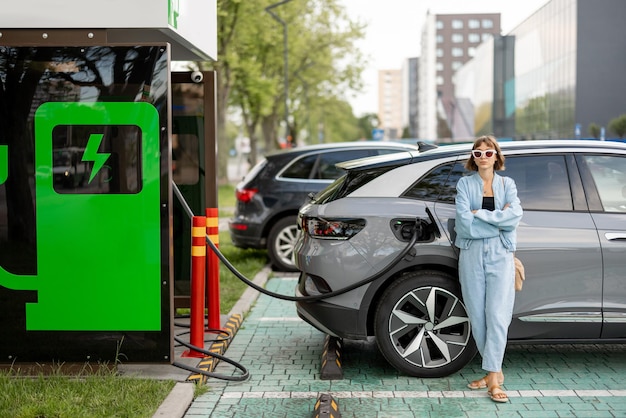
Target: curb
<point x="177" y="402"/>
<point x="180" y="398"/>
<point x="249" y="295"/>
<point x="208" y="363"/>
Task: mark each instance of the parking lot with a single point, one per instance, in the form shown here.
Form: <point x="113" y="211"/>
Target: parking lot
<point x="283" y="355"/>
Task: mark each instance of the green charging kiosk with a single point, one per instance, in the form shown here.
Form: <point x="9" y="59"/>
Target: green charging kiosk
<point x="86" y="204"/>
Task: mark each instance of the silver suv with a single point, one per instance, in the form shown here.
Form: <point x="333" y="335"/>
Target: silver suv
<point x="389" y="223"/>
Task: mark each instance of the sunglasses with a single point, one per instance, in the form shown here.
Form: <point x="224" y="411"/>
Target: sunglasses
<point x="487" y="153"/>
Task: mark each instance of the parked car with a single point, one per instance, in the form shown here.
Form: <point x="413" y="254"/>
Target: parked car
<point x="571" y="239"/>
<point x="269" y="196"/>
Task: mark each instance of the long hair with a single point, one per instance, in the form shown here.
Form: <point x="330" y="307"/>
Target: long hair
<point x="491" y="142"/>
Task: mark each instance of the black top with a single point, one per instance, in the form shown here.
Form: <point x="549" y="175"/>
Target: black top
<point x="489" y="203"/>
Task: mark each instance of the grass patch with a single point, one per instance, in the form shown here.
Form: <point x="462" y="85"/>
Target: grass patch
<point x="226" y="200"/>
<point x="90" y="393"/>
<point x="248" y="262"/>
<point x="101" y="392"/>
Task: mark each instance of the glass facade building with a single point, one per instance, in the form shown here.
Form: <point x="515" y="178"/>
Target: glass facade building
<point x="545" y="72"/>
<point x="552" y="76"/>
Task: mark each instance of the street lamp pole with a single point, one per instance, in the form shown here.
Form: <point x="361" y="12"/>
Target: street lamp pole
<point x="268" y="9"/>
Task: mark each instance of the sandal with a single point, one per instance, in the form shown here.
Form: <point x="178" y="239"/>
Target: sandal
<point x="482" y="383"/>
<point x="497" y="394"/>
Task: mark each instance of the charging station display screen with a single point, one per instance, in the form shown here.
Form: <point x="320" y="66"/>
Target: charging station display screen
<point x="84" y="204"/>
<point x="96" y="159"/>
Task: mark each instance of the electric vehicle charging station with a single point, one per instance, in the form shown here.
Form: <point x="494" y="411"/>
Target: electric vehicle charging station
<point x="87" y="123"/>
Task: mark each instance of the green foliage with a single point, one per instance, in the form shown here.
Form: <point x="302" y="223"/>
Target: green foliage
<point x="618" y="126"/>
<point x="406" y="132"/>
<point x="248" y="262"/>
<point x="551" y="115"/>
<point x="323" y="66"/>
<point x="594" y="130"/>
<point x="336" y="122"/>
<point x="366" y="123"/>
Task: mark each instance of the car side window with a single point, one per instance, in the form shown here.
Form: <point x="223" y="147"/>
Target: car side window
<point x="542" y="181"/>
<point x="438" y="184"/>
<point x="326" y="168"/>
<point x="609" y="175"/>
<point x="301" y="168"/>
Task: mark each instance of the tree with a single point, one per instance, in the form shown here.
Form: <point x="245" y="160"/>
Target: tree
<point x="618" y="126"/>
<point x="229" y="20"/>
<point x="322" y="61"/>
<point x="366" y="124"/>
<point x="594" y="130"/>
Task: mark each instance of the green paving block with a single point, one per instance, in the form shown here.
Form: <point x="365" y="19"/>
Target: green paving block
<point x="588" y="404"/>
<point x="364" y="406"/>
<point x="320" y="386"/>
<point x="394" y="404"/>
<point x="595" y="414"/>
<point x="618" y="405"/>
<point x="421" y="405"/>
<point x="341" y="386"/>
<point x="447" y="410"/>
<point x="482" y="413"/>
<point x="414" y="387"/>
<point x="439" y="385"/>
<point x="538" y="414"/>
<point x="298" y="407"/>
<point x="392" y="412"/>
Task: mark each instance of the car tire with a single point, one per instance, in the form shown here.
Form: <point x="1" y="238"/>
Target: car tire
<point x="408" y="325"/>
<point x="281" y="242"/>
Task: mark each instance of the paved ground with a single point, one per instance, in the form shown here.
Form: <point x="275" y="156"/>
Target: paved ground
<point x="283" y="355"/>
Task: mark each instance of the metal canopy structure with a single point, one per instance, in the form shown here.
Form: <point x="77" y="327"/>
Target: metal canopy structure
<point x="189" y="26"/>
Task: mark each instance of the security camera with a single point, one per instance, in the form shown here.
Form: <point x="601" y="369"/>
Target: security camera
<point x="197" y="77"/>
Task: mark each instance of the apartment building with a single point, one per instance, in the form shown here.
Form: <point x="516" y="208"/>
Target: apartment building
<point x="390" y="103"/>
<point x="448" y="41"/>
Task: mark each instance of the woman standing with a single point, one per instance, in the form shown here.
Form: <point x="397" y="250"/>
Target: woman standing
<point x="487" y="214"/>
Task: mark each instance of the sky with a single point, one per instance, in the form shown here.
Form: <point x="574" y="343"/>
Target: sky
<point x="394" y="28"/>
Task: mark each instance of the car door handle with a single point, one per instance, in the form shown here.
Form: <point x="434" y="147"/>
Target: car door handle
<point x="615" y="236"/>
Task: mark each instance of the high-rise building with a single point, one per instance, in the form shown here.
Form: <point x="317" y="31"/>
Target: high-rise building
<point x="448" y="41"/>
<point x="409" y="96"/>
<point x="390" y="103"/>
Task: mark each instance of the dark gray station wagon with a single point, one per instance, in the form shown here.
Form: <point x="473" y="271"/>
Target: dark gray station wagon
<point x="269" y="196"/>
<point x="572" y="240"/>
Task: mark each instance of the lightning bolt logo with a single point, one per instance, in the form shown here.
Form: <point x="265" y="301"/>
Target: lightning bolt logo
<point x="91" y="154"/>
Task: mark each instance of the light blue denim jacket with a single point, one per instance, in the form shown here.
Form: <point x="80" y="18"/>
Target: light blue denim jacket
<point x="485" y="223"/>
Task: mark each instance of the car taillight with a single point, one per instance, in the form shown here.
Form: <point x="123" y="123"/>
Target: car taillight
<point x="245" y="195"/>
<point x="340" y="229"/>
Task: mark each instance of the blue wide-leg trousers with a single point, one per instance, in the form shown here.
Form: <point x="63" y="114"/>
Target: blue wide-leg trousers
<point x="487" y="276"/>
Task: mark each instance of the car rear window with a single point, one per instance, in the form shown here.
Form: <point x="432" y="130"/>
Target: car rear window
<point x="348" y="183"/>
<point x="322" y="166"/>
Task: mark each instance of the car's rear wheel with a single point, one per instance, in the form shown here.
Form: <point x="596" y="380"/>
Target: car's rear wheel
<point x="422" y="327"/>
<point x="281" y="242"/>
